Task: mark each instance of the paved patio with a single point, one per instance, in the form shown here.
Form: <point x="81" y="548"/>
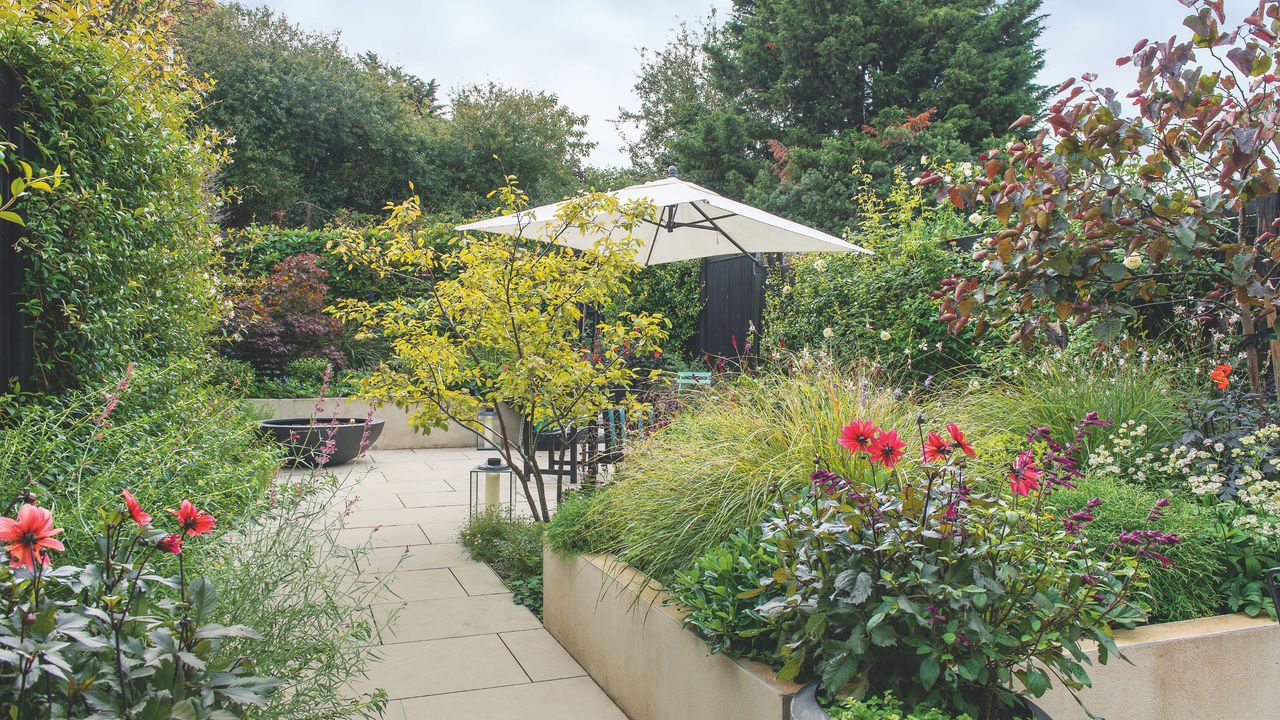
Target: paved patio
<point x="454" y="645"/>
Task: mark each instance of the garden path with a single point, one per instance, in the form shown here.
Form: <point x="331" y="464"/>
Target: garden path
<point x="453" y="645"/>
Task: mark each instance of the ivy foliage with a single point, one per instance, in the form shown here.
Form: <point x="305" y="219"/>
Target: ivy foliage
<point x="119" y="259"/>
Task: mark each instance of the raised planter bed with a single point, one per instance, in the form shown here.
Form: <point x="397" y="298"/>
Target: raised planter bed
<point x="616" y="625"/>
<point x="618" y="628"/>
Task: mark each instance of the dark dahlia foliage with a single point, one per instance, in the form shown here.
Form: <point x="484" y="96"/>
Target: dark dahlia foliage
<point x="119" y="637"/>
<point x="1119" y="199"/>
<point x="910" y="580"/>
<point x="118" y="260"/>
<point x="282" y="317"/>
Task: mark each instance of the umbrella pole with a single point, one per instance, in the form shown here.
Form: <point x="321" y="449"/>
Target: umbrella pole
<point x="726" y="235"/>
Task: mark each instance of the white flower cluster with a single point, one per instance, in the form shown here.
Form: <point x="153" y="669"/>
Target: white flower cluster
<point x="1116" y="457"/>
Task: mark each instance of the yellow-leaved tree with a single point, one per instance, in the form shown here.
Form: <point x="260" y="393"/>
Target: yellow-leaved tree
<point x="499" y="320"/>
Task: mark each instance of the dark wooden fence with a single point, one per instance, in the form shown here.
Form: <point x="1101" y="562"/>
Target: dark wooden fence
<point x="17" y="352"/>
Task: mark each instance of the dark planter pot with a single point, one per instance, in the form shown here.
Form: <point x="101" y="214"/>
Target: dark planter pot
<point x="804" y="706"/>
<point x="304" y="438"/>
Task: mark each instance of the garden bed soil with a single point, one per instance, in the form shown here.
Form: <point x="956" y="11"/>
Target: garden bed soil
<point x="617" y="626"/>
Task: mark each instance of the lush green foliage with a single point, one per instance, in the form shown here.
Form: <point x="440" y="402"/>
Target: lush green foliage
<point x="115" y="638"/>
<point x="720" y="593"/>
<point x="284" y="93"/>
<point x="717" y="465"/>
<point x="904" y="577"/>
<point x="512" y="546"/>
<point x="120" y="258"/>
<point x="568" y="532"/>
<point x="1056" y="390"/>
<point x="783" y="90"/>
<point x="160" y="433"/>
<point x="499" y="319"/>
<point x="887" y="707"/>
<point x="290" y="570"/>
<point x="673" y="291"/>
<point x="877" y="307"/>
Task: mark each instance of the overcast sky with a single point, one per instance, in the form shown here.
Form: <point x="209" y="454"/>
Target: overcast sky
<point x="586" y="51"/>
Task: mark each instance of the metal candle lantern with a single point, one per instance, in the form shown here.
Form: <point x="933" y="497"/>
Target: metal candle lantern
<point x="487" y="438"/>
<point x="487" y="485"/>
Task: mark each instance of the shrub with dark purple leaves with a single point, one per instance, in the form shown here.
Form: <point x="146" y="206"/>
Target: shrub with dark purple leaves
<point x="282" y="317"/>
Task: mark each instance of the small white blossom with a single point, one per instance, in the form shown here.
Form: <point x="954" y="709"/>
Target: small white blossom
<point x="885" y="336"/>
<point x="828" y="332"/>
<point x="976" y="218"/>
<point x="1133" y="261"/>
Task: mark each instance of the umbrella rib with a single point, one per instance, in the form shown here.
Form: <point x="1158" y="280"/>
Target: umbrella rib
<point x="726" y="235"/>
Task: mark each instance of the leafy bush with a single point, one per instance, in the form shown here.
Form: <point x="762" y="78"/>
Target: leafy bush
<point x="720" y="594"/>
<point x="157" y="431"/>
<point x="878" y="307"/>
<point x="1188" y="588"/>
<point x="309" y="597"/>
<point x="121" y="259"/>
<point x="114" y="638"/>
<point x="674" y="291"/>
<point x="568" y="533"/>
<point x="904" y="578"/>
<point x="718" y="464"/>
<point x="235" y="377"/>
<point x="512" y="546"/>
<point x="282" y="317"/>
<point x="887" y="707"/>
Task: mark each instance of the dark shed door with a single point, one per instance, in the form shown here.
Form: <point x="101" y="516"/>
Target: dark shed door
<point x="16" y="350"/>
<point x="732" y="301"/>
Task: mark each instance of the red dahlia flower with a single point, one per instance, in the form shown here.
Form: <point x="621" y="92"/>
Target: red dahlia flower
<point x="1025" y="474"/>
<point x="858" y="436"/>
<point x="171" y="543"/>
<point x="194" y="522"/>
<point x="957" y="437"/>
<point x="1221" y="376"/>
<point x="139" y="515"/>
<point x="935" y="448"/>
<point x="29" y="537"/>
<point x="887" y="448"/>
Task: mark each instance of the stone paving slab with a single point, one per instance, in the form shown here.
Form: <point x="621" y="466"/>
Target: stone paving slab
<point x="570" y="699"/>
<point x="541" y="655"/>
<point x="453" y="644"/>
<point x="450" y="665"/>
<point x="451" y="617"/>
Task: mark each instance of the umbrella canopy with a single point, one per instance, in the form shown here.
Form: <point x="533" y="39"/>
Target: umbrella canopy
<point x="692" y="222"/>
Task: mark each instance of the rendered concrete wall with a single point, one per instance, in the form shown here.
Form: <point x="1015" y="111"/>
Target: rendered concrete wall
<point x="637" y="650"/>
<point x="396" y="433"/>
<point x="614" y="624"/>
<point x="1218" y="668"/>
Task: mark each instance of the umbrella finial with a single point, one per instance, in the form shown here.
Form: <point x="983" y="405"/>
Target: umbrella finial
<point x="671" y="171"/>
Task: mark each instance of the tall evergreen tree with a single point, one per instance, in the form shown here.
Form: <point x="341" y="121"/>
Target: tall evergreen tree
<point x="784" y="89"/>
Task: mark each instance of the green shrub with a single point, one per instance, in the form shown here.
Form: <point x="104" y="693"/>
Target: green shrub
<point x="512" y="546"/>
<point x="845" y="304"/>
<point x="121" y="259"/>
<point x="673" y="290"/>
<point x="308" y="597"/>
<point x="236" y="377"/>
<point x="721" y="593"/>
<point x="309" y="370"/>
<point x="719" y="463"/>
<point x="569" y="531"/>
<point x="1189" y="588"/>
<point x="887" y="707"/>
<point x="161" y="434"/>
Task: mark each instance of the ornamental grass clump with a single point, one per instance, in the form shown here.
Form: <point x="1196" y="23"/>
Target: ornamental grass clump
<point x="905" y="576"/>
<point x="718" y="465"/>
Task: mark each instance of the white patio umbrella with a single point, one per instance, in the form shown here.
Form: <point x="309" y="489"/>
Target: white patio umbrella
<point x="692" y="222"/>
